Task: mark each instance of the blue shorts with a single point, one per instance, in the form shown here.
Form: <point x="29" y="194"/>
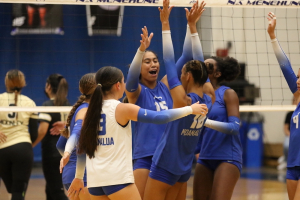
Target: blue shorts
<point x="293" y="173"/>
<point x="213" y="164"/>
<point x="67" y="185"/>
<point x="167" y="177"/>
<point x="107" y="190"/>
<point x="142" y="163"/>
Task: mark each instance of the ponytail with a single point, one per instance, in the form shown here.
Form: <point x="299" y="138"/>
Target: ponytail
<point x="62" y="92"/>
<point x="88" y="140"/>
<point x="65" y="131"/>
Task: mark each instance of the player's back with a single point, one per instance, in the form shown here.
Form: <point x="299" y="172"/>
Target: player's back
<point x="15" y="125"/>
<point x="175" y="151"/>
<point x="112" y="163"/>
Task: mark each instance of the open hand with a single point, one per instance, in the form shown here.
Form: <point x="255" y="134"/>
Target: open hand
<point x="165" y="12"/>
<point x="195" y="13"/>
<point x="75" y="187"/>
<point x="57" y="127"/>
<point x="64" y="160"/>
<point x="199" y="109"/>
<point x="146" y="40"/>
<point x="272" y="24"/>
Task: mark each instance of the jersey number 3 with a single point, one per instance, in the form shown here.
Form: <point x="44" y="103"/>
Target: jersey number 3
<point x="102" y="130"/>
<point x="11" y="115"/>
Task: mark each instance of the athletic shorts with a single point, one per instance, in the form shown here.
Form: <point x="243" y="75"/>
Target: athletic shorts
<point x="213" y="164"/>
<point x="106" y="190"/>
<point x="293" y="173"/>
<point x="167" y="177"/>
<point x="67" y="185"/>
<point x="142" y="163"/>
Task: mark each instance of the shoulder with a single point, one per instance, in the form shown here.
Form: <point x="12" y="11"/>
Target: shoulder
<point x="3" y="94"/>
<point x="48" y="103"/>
<point x="67" y="103"/>
<point x="80" y="113"/>
<point x="28" y="102"/>
<point x="230" y="96"/>
<point x="162" y="85"/>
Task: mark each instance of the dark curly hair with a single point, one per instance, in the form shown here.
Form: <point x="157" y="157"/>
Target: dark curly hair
<point x="229" y="68"/>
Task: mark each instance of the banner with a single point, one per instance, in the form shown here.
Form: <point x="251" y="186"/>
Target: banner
<point x="37" y="19"/>
<point x="104" y="20"/>
<point x="178" y="3"/>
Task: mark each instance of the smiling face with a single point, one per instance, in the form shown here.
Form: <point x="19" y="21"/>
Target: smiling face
<point x="150" y="67"/>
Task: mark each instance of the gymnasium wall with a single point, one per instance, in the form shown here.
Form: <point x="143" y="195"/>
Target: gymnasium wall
<point x="75" y="53"/>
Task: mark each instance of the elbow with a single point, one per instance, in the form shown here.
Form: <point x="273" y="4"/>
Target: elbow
<point x="235" y="130"/>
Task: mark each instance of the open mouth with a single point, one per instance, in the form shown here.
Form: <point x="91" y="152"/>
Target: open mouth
<point x="153" y="72"/>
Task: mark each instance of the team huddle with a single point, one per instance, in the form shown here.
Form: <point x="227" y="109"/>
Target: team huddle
<point x="187" y="114"/>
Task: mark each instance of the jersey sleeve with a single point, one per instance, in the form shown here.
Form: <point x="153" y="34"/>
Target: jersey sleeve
<point x="187" y="53"/>
<point x="285" y="66"/>
<point x="45" y="117"/>
<point x="169" y="60"/>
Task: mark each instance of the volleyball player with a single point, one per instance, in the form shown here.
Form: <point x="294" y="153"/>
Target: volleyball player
<point x="144" y="90"/>
<point x="293" y="162"/>
<point x="173" y="158"/>
<point x="87" y="86"/>
<point x="56" y="89"/>
<point x="16" y="156"/>
<point x="220" y="162"/>
<point x="109" y="151"/>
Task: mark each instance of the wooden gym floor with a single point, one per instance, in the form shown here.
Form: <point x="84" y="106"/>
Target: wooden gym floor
<point x="254" y="184"/>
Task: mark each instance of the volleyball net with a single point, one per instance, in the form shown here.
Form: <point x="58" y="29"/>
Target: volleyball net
<point x="74" y="37"/>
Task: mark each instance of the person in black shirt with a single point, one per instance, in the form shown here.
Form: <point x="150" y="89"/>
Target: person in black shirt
<point x="56" y="89"/>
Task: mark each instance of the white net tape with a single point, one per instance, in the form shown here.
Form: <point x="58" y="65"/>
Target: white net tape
<point x="178" y="3"/>
<point x="66" y="109"/>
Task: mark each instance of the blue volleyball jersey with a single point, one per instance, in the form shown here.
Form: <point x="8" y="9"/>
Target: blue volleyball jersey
<point x="216" y="145"/>
<point x="69" y="170"/>
<point x="175" y="151"/>
<point x="294" y="147"/>
<point x="146" y="136"/>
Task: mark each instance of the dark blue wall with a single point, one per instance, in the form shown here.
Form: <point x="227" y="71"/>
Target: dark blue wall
<point x="75" y="53"/>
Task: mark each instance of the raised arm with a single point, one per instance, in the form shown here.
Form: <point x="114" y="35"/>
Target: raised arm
<point x="192" y="17"/>
<point x="133" y="87"/>
<point x="282" y="59"/>
<point x="178" y="94"/>
<point x="187" y="53"/>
